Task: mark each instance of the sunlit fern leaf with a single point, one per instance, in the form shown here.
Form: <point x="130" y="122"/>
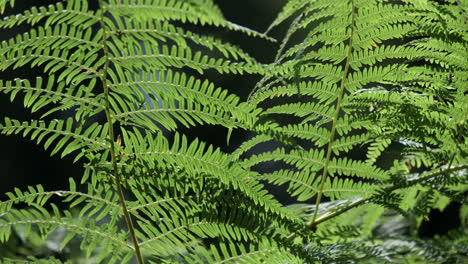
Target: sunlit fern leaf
<point x="169" y="114"/>
<point x="93" y="235"/>
<point x="77" y="68"/>
<point x="335" y="189"/>
<point x="289" y="9"/>
<point x="309" y="160"/>
<point x="350" y="222"/>
<point x="62" y="136"/>
<point x="164" y="57"/>
<point x="264" y="252"/>
<point x="56" y="37"/>
<point x="170" y="235"/>
<point x="345" y="51"/>
<point x="352" y="80"/>
<point x="196" y="12"/>
<point x="376" y="148"/>
<point x="147" y="10"/>
<point x="4" y="3"/>
<point x="74" y="12"/>
<point x="97" y="204"/>
<point x="153" y="32"/>
<point x="33" y="260"/>
<point x="320" y="90"/>
<point x="196" y="158"/>
<point x="344" y="166"/>
<point x="45" y="93"/>
<point x="249" y="144"/>
<point x="172" y="97"/>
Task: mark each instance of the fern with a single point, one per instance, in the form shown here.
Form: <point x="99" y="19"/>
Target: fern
<point x="367" y="77"/>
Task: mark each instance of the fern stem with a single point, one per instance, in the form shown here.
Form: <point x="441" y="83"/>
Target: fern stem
<point x="111" y="137"/>
<point x="277" y="60"/>
<point x="389" y="189"/>
<point x="335" y="120"/>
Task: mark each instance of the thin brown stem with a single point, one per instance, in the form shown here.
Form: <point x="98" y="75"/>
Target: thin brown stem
<point x="335" y="117"/>
<point x="333" y="214"/>
<point x="111" y="138"/>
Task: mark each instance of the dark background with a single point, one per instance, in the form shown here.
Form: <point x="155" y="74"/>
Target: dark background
<point x="23" y="163"/>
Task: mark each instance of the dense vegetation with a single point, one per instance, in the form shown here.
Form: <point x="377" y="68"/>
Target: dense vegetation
<point x="361" y="118"/>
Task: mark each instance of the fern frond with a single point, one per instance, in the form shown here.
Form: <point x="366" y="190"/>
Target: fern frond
<point x="322" y="91"/>
<point x="165" y="57"/>
<point x="58" y="37"/>
<point x="75" y="13"/>
<point x="98" y="203"/>
<point x="238" y="253"/>
<point x="4" y="3"/>
<point x="289" y="9"/>
<point x="93" y="235"/>
<point x="304" y="188"/>
<point x="376" y="148"/>
<point x="249" y="144"/>
<point x="77" y="68"/>
<point x="147" y="10"/>
<point x="349" y="142"/>
<point x="313" y="134"/>
<point x="198" y="160"/>
<point x="354" y="82"/>
<point x="171" y="236"/>
<point x="186" y="98"/>
<point x="196" y="12"/>
<point x="157" y="32"/>
<point x="33" y="260"/>
<point x="40" y="95"/>
<point x="351" y="47"/>
<point x="301" y="159"/>
<point x="349" y="167"/>
<point x="60" y="135"/>
<point x="187" y="112"/>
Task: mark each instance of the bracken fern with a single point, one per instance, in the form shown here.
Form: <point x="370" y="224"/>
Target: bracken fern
<point x="371" y="77"/>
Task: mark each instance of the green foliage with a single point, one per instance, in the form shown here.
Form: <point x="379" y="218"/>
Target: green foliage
<point x="384" y="79"/>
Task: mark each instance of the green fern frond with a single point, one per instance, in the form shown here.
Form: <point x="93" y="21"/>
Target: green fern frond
<point x="376" y="148"/>
<point x="78" y="68"/>
<point x="184" y="99"/>
<point x="33" y="260"/>
<point x="75" y="13"/>
<point x="188" y="113"/>
<point x="98" y="205"/>
<point x="58" y="37"/>
<point x="60" y="135"/>
<point x="349" y="167"/>
<point x="147" y="10"/>
<point x="196" y="12"/>
<point x="322" y="91"/>
<point x="197" y="160"/>
<point x="40" y="95"/>
<point x="164" y="57"/>
<point x="4" y="3"/>
<point x="155" y="32"/>
<point x="301" y="159"/>
<point x="336" y="63"/>
<point x="354" y="82"/>
<point x="265" y="252"/>
<point x="47" y="222"/>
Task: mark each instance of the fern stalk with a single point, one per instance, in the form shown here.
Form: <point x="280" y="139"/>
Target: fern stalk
<point x="312" y="224"/>
<point x="389" y="189"/>
<point x="111" y="137"/>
